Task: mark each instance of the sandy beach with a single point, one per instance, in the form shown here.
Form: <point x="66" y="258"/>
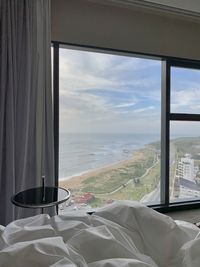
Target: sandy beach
<point x="75" y="181"/>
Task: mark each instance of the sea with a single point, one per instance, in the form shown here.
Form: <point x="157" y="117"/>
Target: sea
<point x="80" y="153"/>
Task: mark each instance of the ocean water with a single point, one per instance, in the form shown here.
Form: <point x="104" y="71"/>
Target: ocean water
<point x="80" y="153"/>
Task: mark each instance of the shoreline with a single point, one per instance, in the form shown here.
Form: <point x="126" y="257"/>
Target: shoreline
<point x="103" y="166"/>
<point x="73" y="181"/>
<point x="98" y="169"/>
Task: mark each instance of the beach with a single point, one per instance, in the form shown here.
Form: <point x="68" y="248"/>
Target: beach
<point x="76" y="180"/>
<point x="129" y="179"/>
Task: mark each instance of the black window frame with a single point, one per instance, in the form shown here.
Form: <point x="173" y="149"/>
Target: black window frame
<point x="166" y="116"/>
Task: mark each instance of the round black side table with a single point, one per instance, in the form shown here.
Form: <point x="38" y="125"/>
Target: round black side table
<point x="41" y="197"/>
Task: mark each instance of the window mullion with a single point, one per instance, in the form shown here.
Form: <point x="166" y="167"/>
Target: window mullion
<point x="184" y="117"/>
<point x="165" y="116"/>
<point x="56" y="108"/>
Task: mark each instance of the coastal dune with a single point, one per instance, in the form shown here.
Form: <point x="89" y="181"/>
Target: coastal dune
<point x="75" y="181"/>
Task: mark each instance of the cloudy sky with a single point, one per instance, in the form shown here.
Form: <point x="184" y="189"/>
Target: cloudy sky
<point x="119" y="94"/>
<point x="185" y="98"/>
<point x="185" y="90"/>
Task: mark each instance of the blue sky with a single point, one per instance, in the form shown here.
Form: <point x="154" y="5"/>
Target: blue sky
<point x="113" y="93"/>
<point x="185" y="98"/>
<point x="185" y="90"/>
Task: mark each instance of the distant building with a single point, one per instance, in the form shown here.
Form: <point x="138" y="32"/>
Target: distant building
<point x="85" y="198"/>
<point x="186" y="168"/>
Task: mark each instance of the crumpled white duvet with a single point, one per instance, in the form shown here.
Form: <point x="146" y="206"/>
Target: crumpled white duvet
<point x="123" y="234"/>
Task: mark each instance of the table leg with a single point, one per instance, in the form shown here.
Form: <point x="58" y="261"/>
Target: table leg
<point x="57" y="209"/>
<point x="42" y="210"/>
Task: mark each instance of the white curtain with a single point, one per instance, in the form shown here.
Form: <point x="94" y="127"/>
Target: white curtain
<point x="26" y="120"/>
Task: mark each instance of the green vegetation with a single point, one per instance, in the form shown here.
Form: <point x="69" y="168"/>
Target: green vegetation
<point x="97" y="202"/>
<point x="135" y="178"/>
<point x="186" y="145"/>
<point x="109" y="181"/>
<point x="136" y="191"/>
<point x="129" y="181"/>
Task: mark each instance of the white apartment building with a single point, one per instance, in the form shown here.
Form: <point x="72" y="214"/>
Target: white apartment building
<point x="186" y="168"/>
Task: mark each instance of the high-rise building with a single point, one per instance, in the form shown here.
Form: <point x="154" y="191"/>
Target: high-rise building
<point x="186" y="168"/>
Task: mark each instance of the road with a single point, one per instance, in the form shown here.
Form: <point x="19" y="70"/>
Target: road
<point x="130" y="181"/>
<point x="152" y="197"/>
<point x="189" y="184"/>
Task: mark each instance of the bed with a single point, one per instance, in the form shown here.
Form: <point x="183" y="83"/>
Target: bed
<point x="125" y="234"/>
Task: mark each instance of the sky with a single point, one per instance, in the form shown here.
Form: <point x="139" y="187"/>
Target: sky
<point x="185" y="98"/>
<point x="185" y="90"/>
<point x="104" y="93"/>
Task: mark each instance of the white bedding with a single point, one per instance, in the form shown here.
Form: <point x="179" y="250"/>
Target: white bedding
<point x="124" y="234"/>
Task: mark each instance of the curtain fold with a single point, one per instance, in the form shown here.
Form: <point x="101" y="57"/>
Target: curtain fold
<point x="26" y="117"/>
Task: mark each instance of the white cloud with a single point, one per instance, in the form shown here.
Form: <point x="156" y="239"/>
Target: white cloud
<point x="125" y="105"/>
<point x="185" y="100"/>
<point x="100" y="93"/>
<point x="88" y="70"/>
<point x="144" y="109"/>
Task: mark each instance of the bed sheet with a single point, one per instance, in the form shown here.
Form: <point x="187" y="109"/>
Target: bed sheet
<point x="125" y="233"/>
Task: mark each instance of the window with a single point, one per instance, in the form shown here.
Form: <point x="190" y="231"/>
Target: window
<point x="114" y="141"/>
<point x="184" y="160"/>
<point x="185" y="134"/>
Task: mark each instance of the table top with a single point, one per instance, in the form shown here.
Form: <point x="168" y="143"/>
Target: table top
<point x="41" y="197"/>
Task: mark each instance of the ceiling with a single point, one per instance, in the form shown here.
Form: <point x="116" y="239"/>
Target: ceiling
<point x="187" y="8"/>
<point x="187" y="5"/>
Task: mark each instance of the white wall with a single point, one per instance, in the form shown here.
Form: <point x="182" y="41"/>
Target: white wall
<point x="91" y="23"/>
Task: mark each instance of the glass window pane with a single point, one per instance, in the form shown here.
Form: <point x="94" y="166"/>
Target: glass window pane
<point x="184" y="161"/>
<point x="185" y="90"/>
<point x="109" y="128"/>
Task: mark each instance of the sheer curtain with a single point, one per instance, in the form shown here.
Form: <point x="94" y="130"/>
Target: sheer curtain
<point x="26" y="120"/>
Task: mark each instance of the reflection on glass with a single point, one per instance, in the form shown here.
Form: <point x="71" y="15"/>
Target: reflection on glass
<point x="184" y="161"/>
<point x="109" y="128"/>
<point x="185" y="90"/>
